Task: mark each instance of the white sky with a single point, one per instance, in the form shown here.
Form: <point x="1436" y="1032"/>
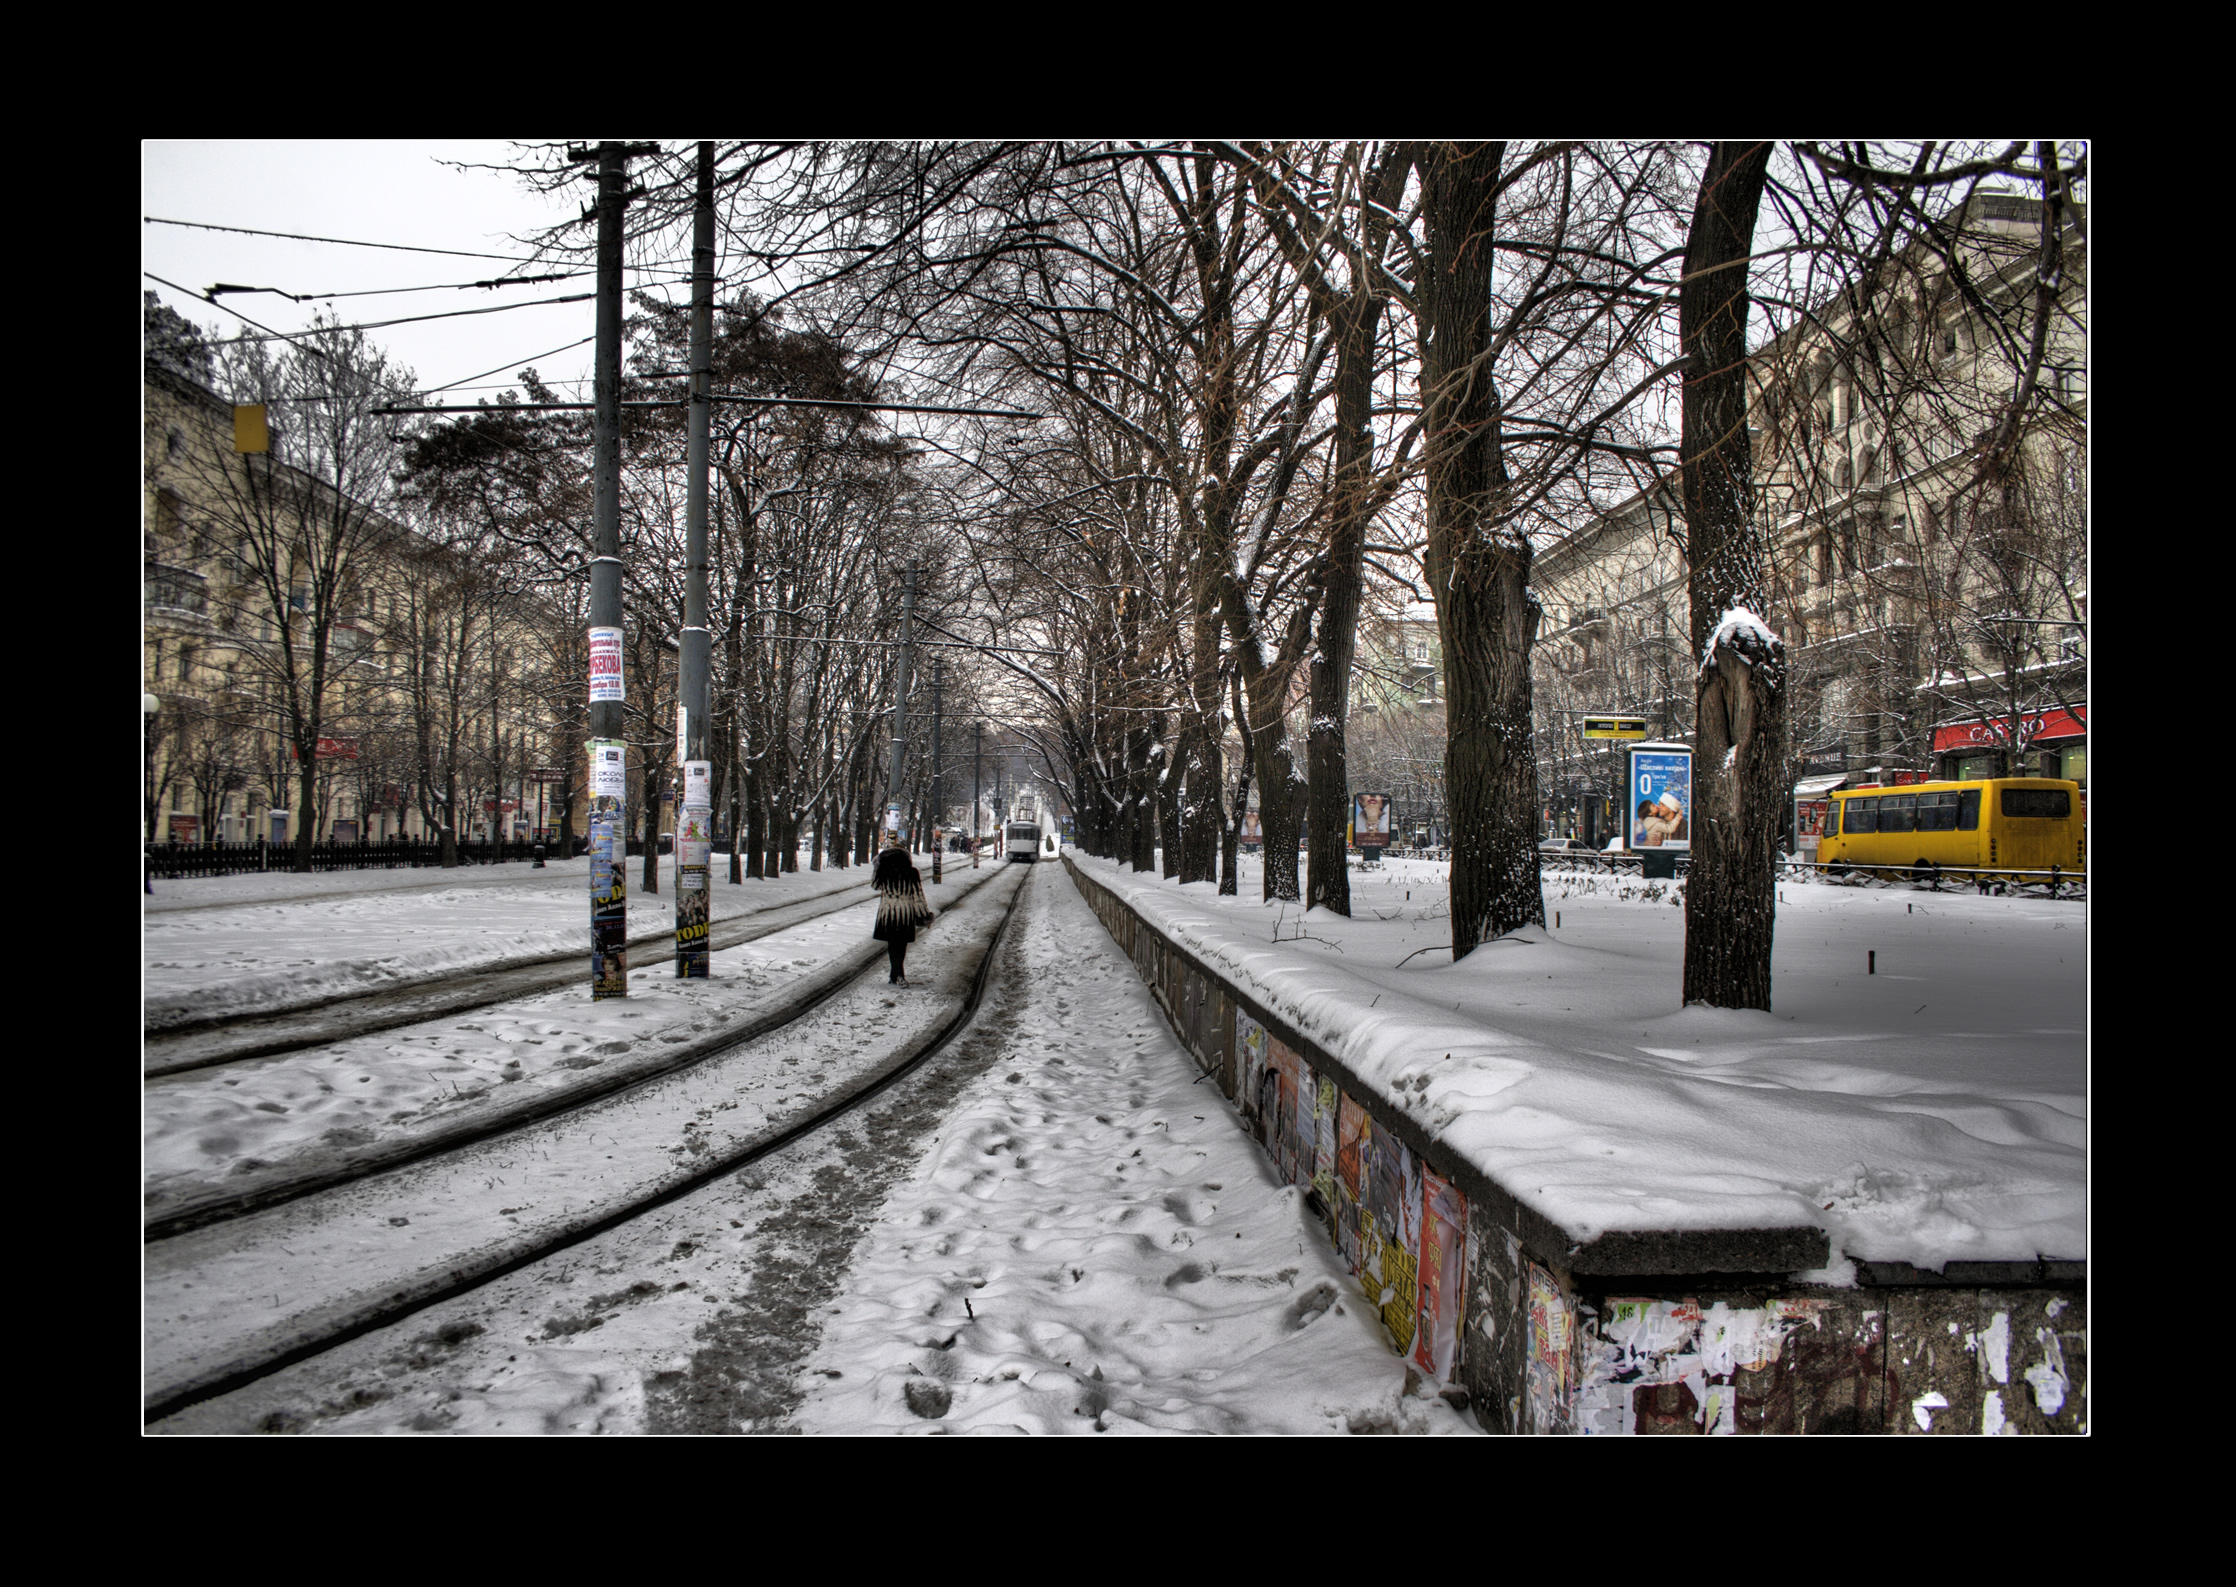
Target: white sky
<point x="391" y="192"/>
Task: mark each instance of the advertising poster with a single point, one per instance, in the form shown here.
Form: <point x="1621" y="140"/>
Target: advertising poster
<point x="1252" y="834"/>
<point x="1390" y="1230"/>
<point x="1660" y="801"/>
<point x="609" y="769"/>
<point x="692" y="846"/>
<point x="1550" y="1342"/>
<point x="1304" y="1130"/>
<point x="1442" y="1281"/>
<point x="1324" y="1109"/>
<point x="1250" y="1061"/>
<point x="1370" y="820"/>
<point x="698" y="784"/>
<point x="1350" y="1179"/>
<point x="609" y="906"/>
<point x="1278" y="1113"/>
<point x="605" y="665"/>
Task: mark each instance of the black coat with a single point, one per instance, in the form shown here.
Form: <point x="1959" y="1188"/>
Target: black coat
<point x="901" y="909"/>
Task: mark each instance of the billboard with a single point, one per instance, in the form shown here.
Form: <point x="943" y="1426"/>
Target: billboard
<point x="1370" y="820"/>
<point x="1252" y="833"/>
<point x="1658" y="807"/>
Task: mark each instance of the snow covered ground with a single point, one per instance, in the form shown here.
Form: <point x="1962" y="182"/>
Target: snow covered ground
<point x="1930" y="1109"/>
<point x="230" y="944"/>
<point x="1053" y="1227"/>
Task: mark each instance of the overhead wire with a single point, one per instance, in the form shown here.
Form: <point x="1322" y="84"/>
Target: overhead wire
<point x="347" y="242"/>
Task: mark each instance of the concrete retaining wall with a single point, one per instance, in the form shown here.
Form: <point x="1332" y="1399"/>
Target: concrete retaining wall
<point x="1679" y="1331"/>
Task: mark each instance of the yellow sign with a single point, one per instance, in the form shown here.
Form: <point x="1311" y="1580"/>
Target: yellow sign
<point x="1614" y="727"/>
<point x="250" y="431"/>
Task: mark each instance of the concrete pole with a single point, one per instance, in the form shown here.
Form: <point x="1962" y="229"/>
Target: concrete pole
<point x="900" y="705"/>
<point x="609" y="885"/>
<point x="695" y="829"/>
<point x="939" y="781"/>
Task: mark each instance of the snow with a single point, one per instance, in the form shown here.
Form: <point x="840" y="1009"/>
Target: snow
<point x="1933" y="1111"/>
<point x="264" y="941"/>
<point x="1128" y="1262"/>
<point x="1737" y="620"/>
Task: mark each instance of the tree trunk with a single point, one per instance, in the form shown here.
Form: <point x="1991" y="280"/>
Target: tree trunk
<point x="1478" y="566"/>
<point x="1731" y="893"/>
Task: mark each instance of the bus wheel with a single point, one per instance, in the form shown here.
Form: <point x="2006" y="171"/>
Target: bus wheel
<point x="1921" y="871"/>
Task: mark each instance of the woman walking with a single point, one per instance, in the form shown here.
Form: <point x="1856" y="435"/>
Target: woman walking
<point x="901" y="909"/>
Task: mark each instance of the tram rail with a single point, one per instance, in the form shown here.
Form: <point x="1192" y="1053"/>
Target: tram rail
<point x="179" y="1376"/>
<point x="207" y="1041"/>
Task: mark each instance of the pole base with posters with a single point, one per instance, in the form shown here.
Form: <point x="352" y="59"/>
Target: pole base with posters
<point x="693" y="864"/>
<point x="609" y="870"/>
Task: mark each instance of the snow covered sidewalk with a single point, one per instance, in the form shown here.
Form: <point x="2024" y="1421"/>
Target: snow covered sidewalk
<point x="1091" y="1245"/>
<point x="1928" y="1108"/>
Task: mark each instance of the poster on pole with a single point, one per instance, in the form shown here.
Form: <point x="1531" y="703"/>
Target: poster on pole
<point x="605" y="665"/>
<point x="609" y="769"/>
<point x="1659" y="803"/>
<point x="698" y="785"/>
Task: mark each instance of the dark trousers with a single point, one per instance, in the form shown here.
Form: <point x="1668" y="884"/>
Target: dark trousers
<point x="898" y="953"/>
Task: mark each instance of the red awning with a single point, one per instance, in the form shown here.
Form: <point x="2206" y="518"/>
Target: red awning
<point x="2052" y="724"/>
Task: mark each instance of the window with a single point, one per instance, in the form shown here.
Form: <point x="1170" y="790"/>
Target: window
<point x="1863" y="815"/>
<point x="1937" y="812"/>
<point x="1898" y="813"/>
<point x="174" y="445"/>
<point x="2037" y="804"/>
<point x="1968" y="811"/>
<point x="1832" y="820"/>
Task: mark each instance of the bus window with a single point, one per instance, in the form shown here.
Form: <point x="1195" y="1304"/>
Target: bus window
<point x="1832" y="819"/>
<point x="1968" y="813"/>
<point x="1863" y="815"/>
<point x="2037" y="802"/>
<point x="1937" y="812"/>
<point x="1898" y="812"/>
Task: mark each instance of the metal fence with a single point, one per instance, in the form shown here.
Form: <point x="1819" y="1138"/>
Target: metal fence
<point x="173" y="861"/>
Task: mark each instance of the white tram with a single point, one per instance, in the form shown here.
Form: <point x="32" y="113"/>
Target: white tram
<point x="1021" y="841"/>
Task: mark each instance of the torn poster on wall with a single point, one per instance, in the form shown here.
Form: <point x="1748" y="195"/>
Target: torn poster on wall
<point x="1442" y="1274"/>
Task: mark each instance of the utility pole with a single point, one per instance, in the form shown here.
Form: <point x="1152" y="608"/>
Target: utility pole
<point x="695" y="829"/>
<point x="609" y="753"/>
<point x="977" y="749"/>
<point x="939" y="780"/>
<point x="900" y="706"/>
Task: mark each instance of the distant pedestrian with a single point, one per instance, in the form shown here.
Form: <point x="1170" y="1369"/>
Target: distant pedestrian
<point x="901" y="909"/>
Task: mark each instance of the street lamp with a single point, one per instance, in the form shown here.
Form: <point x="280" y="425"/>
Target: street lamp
<point x="149" y="705"/>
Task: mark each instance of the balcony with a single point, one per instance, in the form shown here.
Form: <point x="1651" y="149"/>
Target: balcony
<point x="177" y="589"/>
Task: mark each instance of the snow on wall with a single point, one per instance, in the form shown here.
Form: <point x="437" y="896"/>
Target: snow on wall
<point x="1541" y="1350"/>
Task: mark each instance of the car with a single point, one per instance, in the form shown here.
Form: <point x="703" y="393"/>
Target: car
<point x="1562" y="845"/>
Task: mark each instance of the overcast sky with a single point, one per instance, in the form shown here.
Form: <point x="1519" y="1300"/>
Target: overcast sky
<point x="371" y="192"/>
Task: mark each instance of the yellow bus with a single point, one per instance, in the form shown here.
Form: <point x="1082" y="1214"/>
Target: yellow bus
<point x="1998" y="826"/>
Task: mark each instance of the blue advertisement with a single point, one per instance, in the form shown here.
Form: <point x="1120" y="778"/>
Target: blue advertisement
<point x="1660" y="801"/>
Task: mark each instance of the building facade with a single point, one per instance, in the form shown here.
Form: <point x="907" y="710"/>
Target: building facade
<point x="436" y="685"/>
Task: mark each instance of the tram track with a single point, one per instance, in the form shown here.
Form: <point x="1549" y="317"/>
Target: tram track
<point x="211" y="1040"/>
<point x="180" y="1375"/>
<point x="171" y="1212"/>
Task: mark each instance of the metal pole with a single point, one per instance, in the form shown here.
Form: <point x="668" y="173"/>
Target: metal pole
<point x="609" y="765"/>
<point x="900" y="706"/>
<point x="977" y="750"/>
<point x="694" y="832"/>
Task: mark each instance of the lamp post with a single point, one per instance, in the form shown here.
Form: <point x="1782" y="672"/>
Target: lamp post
<point x="149" y="705"/>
